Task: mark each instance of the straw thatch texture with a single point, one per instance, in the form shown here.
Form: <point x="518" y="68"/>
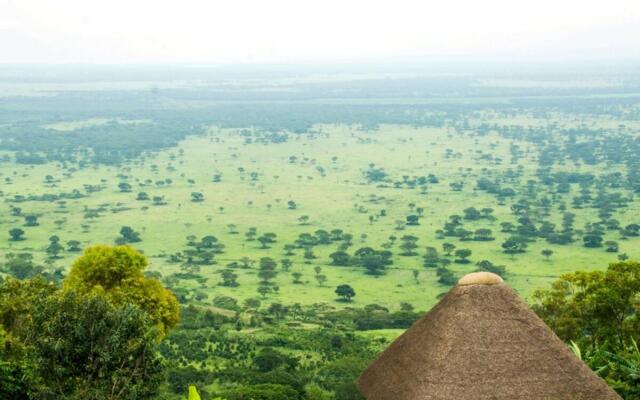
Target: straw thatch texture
<point x="481" y="342"/>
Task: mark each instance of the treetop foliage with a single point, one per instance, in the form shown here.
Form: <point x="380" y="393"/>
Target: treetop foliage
<point x="118" y="273"/>
<point x="597" y="308"/>
<point x="96" y="337"/>
<point x="597" y="312"/>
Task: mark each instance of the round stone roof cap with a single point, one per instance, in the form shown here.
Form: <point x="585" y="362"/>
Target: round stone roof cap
<point x="480" y="278"/>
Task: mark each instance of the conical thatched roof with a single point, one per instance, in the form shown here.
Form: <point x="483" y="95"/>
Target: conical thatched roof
<point x="481" y="342"/>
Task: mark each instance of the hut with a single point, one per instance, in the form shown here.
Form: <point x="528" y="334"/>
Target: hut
<point x="481" y="341"/>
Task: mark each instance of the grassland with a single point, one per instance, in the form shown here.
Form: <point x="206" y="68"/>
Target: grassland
<point x="327" y="183"/>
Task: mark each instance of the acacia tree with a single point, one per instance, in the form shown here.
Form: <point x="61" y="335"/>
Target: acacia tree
<point x="229" y="278"/>
<point x="448" y="248"/>
<point x="445" y="276"/>
<point x="374" y="261"/>
<point x="514" y="245"/>
<point x="197" y="197"/>
<point x="592" y="240"/>
<point x="296" y="277"/>
<point x="124" y="187"/>
<point x="321" y="279"/>
<point x="462" y="256"/>
<point x="345" y="292"/>
<point x="488" y="266"/>
<point x="128" y="235"/>
<point x="308" y="253"/>
<point x="73" y="246"/>
<point x="612" y="246"/>
<point x="31" y="220"/>
<point x="251" y="234"/>
<point x="413" y="220"/>
<point x="142" y="196"/>
<point x="431" y="258"/>
<point x="263" y="290"/>
<point x="267" y="270"/>
<point x="408" y="245"/>
<point x="266" y="239"/>
<point x="340" y="258"/>
<point x="16" y="234"/>
<point x="286" y="264"/>
<point x="54" y="247"/>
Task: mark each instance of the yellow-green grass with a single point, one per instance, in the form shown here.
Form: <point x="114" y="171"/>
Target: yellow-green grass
<point x="328" y="201"/>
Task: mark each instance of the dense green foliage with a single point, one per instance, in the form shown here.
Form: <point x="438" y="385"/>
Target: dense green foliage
<point x="71" y="343"/>
<point x="117" y="273"/>
<point x="599" y="312"/>
<point x="87" y="348"/>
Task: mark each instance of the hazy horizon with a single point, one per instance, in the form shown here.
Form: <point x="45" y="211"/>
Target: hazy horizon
<point x="288" y="32"/>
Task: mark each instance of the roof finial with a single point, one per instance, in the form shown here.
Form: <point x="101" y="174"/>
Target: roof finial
<point x="480" y="278"/>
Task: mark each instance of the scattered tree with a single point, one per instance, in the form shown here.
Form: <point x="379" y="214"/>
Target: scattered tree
<point x="345" y="292"/>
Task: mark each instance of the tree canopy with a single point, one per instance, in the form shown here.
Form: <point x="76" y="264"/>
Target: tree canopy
<point x="594" y="308"/>
<point x="118" y="273"/>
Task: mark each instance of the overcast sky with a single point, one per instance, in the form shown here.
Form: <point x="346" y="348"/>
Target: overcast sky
<point x="277" y="31"/>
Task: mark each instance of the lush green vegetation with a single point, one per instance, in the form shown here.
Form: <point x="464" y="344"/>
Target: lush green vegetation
<point x="302" y="224"/>
<point x="84" y="340"/>
<point x="598" y="312"/>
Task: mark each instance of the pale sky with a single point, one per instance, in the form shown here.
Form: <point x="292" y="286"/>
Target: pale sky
<point x="283" y="31"/>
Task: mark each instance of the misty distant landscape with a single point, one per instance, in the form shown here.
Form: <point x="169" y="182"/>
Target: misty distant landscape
<point x="304" y="220"/>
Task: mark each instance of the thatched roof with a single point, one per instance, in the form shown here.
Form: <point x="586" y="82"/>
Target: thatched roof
<point x="481" y="341"/>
